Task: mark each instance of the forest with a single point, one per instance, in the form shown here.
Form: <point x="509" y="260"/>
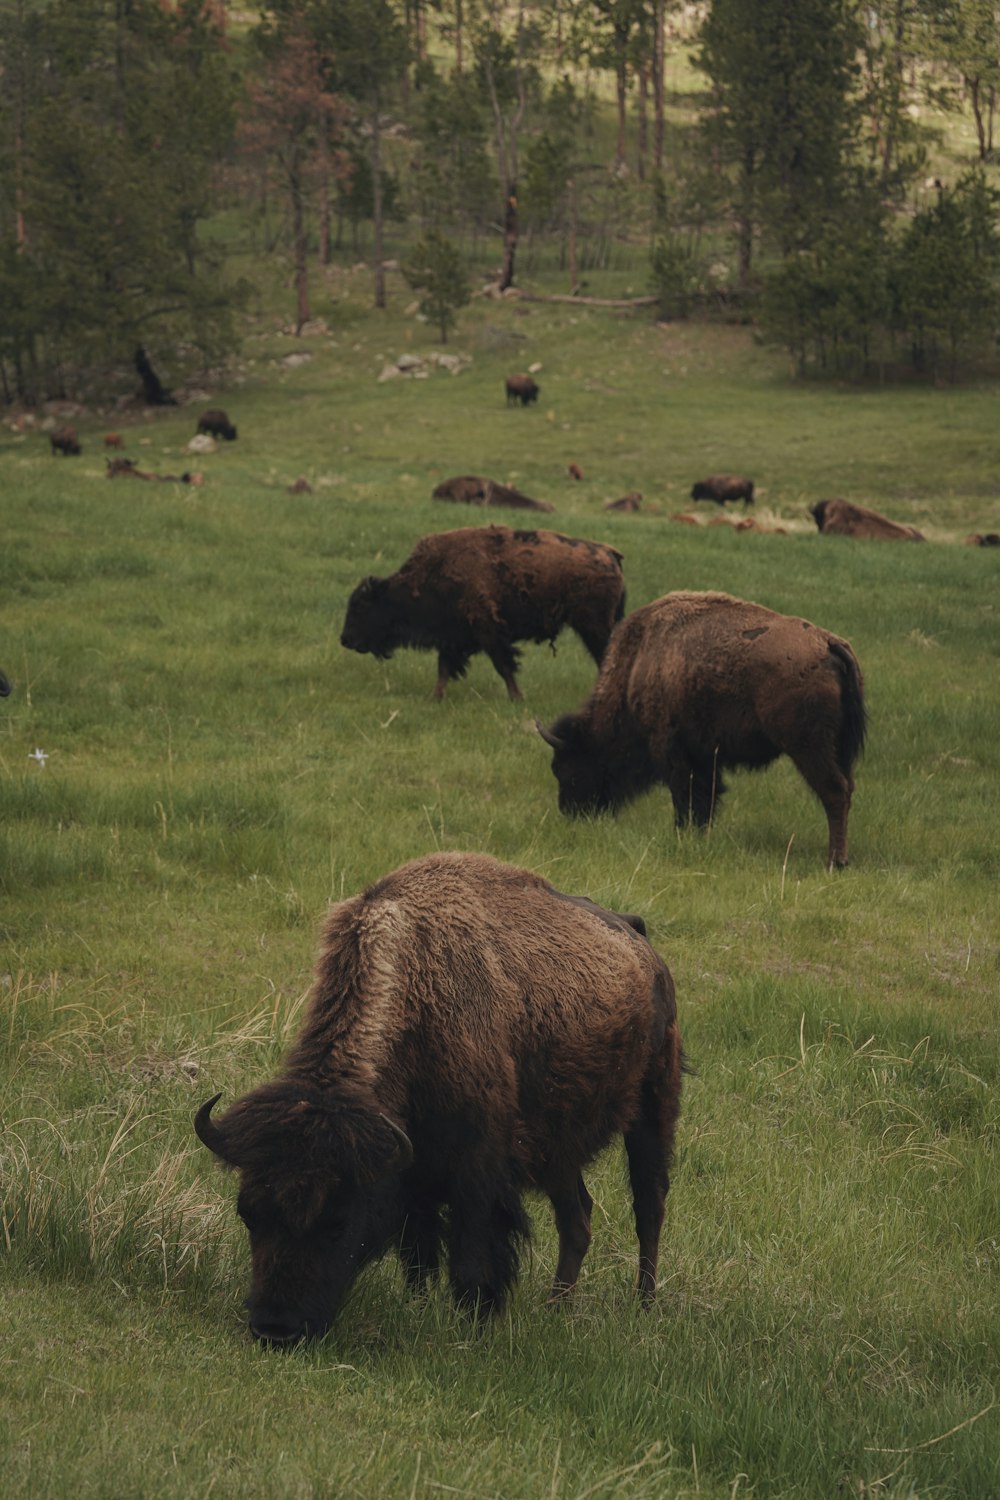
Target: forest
<point x="824" y="172"/>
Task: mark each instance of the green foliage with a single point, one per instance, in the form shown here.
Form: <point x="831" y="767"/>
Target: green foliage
<point x="97" y="106"/>
<point x="454" y="178"/>
<point x="436" y="269"/>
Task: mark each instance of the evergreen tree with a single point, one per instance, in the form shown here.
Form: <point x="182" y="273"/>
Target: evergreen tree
<point x="435" y="268"/>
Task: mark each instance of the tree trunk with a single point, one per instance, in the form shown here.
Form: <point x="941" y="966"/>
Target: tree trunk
<point x="299" y="243"/>
<point x="643" y="78"/>
<point x="658" y="89"/>
<point x="975" y="98"/>
<point x="746" y="219"/>
<point x="458" y="36"/>
<point x="377" y="203"/>
<point x="572" y="235"/>
<point x="621" y="91"/>
<point x="325" y="212"/>
<point x="509" y="238"/>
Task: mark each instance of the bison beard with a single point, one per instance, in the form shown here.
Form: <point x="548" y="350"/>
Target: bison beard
<point x="695" y="684"/>
<point x="472" y="1033"/>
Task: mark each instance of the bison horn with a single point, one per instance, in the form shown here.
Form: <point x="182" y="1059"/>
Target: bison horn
<point x="547" y="735"/>
<point x="207" y="1131"/>
<point x="404" y="1147"/>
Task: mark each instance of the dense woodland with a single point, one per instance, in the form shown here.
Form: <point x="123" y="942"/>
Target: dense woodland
<point x="786" y="165"/>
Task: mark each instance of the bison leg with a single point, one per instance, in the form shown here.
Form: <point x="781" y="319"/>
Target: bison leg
<point x="486" y="1230"/>
<point x="451" y="663"/>
<point x="420" y="1245"/>
<point x="696" y="790"/>
<point x="834" y="790"/>
<point x="572" y="1207"/>
<point x="595" y="640"/>
<point x="649" y="1146"/>
<point x="504" y="659"/>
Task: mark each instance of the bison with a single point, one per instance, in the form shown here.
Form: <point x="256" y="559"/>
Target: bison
<point x="695" y="684"/>
<point x="983" y="539"/>
<point x="471" y="1033"/>
<point x="722" y="488"/>
<point x="5" y="685"/>
<point x="64" y="440"/>
<point x="629" y="503"/>
<point x="113" y="440"/>
<point x="217" y="424"/>
<point x="471" y="489"/>
<point x="521" y="388"/>
<point x="841" y="518"/>
<point x="481" y="589"/>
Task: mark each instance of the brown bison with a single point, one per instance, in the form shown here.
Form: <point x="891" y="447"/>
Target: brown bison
<point x="471" y="489"/>
<point x="520" y="388"/>
<point x="983" y="539"/>
<point x="629" y="503"/>
<point x="217" y="424"/>
<point x="64" y="440"/>
<point x="471" y="1033"/>
<point x="113" y="440"/>
<point x="841" y="518"/>
<point x="483" y="588"/>
<point x="722" y="488"/>
<point x="574" y="471"/>
<point x="695" y="684"/>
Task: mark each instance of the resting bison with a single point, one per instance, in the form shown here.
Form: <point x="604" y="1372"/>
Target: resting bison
<point x="64" y="440"/>
<point x="483" y="588"/>
<point x="630" y="502"/>
<point x="521" y="388"/>
<point x="722" y="488"/>
<point x="695" y="684"/>
<point x="471" y="1033"/>
<point x="217" y="424"/>
<point x="983" y="539"/>
<point x="841" y="518"/>
<point x="470" y="489"/>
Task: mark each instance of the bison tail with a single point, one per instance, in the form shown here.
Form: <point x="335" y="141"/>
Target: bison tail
<point x="854" y="718"/>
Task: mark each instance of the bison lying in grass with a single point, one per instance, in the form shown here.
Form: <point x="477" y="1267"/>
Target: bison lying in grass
<point x="481" y="589"/>
<point x="471" y="489"/>
<point x="841" y="518"/>
<point x="695" y="684"/>
<point x="471" y="1034"/>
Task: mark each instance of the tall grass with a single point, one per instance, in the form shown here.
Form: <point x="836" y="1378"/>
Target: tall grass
<point x="218" y="769"/>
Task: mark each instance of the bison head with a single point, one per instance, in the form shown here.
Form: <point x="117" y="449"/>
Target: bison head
<point x="580" y="766"/>
<point x="316" y="1195"/>
<point x="370" y="625"/>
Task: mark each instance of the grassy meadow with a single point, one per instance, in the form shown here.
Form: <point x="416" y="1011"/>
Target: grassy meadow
<point x="218" y="769"/>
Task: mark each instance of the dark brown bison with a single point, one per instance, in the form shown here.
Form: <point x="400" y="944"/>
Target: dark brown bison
<point x="483" y="588"/>
<point x="630" y="502"/>
<point x="64" y="440"/>
<point x="217" y="424"/>
<point x="841" y="518"/>
<point x="695" y="684"/>
<point x="722" y="488"/>
<point x="521" y="388"/>
<point x="471" y="1034"/>
<point x="126" y="468"/>
<point x="983" y="539"/>
<point x="471" y="489"/>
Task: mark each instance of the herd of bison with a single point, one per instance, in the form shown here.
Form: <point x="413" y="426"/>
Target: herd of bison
<point x="472" y="1032"/>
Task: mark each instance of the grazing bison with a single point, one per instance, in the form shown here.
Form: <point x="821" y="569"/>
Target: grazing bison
<point x="483" y="588"/>
<point x="841" y="518"/>
<point x="722" y="488"/>
<point x="521" y="388"/>
<point x="217" y="424"/>
<point x="471" y="489"/>
<point x="471" y="1033"/>
<point x="695" y="684"/>
<point x="64" y="440"/>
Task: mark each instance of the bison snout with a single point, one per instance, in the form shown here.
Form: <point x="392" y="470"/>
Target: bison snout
<point x="277" y="1332"/>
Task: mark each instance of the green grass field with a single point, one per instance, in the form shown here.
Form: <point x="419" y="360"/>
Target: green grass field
<point x="218" y="769"/>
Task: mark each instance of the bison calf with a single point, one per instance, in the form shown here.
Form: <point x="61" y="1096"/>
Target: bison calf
<point x="217" y="424"/>
<point x="471" y="1033"/>
<point x="722" y="488"/>
<point x="695" y="684"/>
<point x="482" y="589"/>
<point x="521" y="388"/>
<point x="64" y="440"/>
